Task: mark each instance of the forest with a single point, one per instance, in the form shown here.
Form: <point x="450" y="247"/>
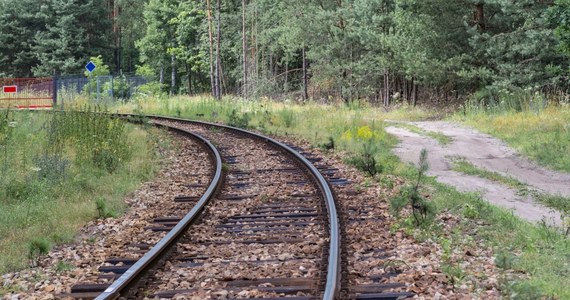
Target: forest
<point x="381" y="51"/>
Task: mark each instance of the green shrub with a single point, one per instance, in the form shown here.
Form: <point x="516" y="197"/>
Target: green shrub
<point x="365" y="160"/>
<point x="52" y="167"/>
<point x="151" y="89"/>
<point x="287" y="117"/>
<point x="235" y="120"/>
<point x="62" y="266"/>
<point x="103" y="209"/>
<point x="17" y="189"/>
<point x="422" y="210"/>
<point x="54" y="171"/>
<point x="502" y="99"/>
<point x="328" y="145"/>
<point x="98" y="138"/>
<point x="504" y="260"/>
<point x="121" y="88"/>
<point x="266" y="120"/>
<point x="36" y="248"/>
<point x="470" y="212"/>
<point x="367" y="149"/>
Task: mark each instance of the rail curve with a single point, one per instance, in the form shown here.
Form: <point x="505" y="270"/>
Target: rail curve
<point x="143" y="265"/>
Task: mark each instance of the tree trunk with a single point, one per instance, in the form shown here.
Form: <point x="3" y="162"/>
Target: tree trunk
<point x="414" y="91"/>
<point x="173" y="75"/>
<point x="189" y="71"/>
<point x="218" y="93"/>
<point x="386" y="88"/>
<point x="480" y="16"/>
<point x="305" y="76"/>
<point x="271" y="67"/>
<point x="161" y="75"/>
<point x="244" y="46"/>
<point x="211" y="37"/>
<point x="286" y="84"/>
<point x="405" y="90"/>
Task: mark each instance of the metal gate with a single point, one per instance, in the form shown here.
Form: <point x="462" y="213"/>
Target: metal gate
<point x="27" y="93"/>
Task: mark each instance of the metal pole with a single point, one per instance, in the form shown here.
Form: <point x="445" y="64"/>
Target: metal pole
<point x="98" y="89"/>
<point x="54" y="93"/>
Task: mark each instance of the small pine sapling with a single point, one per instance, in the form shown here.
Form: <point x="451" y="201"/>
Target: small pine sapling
<point x="422" y="210"/>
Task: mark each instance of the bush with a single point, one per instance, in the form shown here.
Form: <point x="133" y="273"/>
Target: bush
<point x="6" y="118"/>
<point x="120" y="89"/>
<point x="52" y="167"/>
<point x="36" y="248"/>
<point x="497" y="98"/>
<point x="98" y="138"/>
<point x="288" y="118"/>
<point x="409" y="196"/>
<point x="365" y="159"/>
<point x="235" y="120"/>
<point x="103" y="210"/>
<point x="151" y="89"/>
<point x="328" y="145"/>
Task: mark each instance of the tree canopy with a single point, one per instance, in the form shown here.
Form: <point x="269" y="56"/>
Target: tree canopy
<point x="380" y="50"/>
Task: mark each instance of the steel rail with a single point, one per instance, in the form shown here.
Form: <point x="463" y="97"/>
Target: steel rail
<point x="145" y="263"/>
<point x="333" y="269"/>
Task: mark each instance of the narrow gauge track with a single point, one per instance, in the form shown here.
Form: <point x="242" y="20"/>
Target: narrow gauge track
<point x="271" y="233"/>
<point x="370" y="268"/>
<point x="179" y="189"/>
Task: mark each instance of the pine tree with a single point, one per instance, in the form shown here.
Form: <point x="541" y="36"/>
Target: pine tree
<point x="18" y="24"/>
<point x="517" y="47"/>
<point x="75" y="30"/>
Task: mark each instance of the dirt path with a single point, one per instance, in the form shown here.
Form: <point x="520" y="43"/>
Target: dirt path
<point x="485" y="152"/>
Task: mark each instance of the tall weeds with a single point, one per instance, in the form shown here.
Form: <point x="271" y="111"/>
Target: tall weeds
<point x="53" y="168"/>
<point x="95" y="137"/>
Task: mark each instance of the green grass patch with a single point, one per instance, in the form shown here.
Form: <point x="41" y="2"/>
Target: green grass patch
<point x="53" y="168"/>
<point x="441" y="138"/>
<point x="559" y="203"/>
<point x="541" y="135"/>
<point x="463" y="166"/>
<point x="537" y="253"/>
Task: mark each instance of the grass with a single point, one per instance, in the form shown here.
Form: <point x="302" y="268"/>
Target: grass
<point x="537" y="253"/>
<point x="441" y="138"/>
<point x="286" y="118"/>
<point x="465" y="167"/>
<point x="53" y="167"/>
<point x="542" y="136"/>
<point x="557" y="202"/>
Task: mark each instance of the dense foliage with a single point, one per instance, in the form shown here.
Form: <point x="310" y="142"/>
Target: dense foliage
<point x="380" y="50"/>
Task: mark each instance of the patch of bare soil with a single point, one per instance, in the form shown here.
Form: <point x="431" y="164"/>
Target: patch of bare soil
<point x="488" y="153"/>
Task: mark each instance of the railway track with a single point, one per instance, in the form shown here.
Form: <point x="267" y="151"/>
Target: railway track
<point x="267" y="234"/>
<point x="181" y="189"/>
<point x="271" y="231"/>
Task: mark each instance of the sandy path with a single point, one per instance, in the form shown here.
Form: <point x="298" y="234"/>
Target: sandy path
<point x="485" y="152"/>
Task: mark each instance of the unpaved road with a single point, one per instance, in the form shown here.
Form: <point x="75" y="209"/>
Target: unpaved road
<point x="485" y="152"/>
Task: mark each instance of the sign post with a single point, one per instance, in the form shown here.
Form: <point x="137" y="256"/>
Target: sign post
<point x="90" y="66"/>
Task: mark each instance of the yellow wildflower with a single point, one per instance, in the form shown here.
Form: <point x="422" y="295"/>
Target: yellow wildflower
<point x="364" y="133"/>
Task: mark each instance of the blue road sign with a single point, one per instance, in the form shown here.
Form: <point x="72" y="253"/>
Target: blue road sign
<point x="90" y="66"/>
